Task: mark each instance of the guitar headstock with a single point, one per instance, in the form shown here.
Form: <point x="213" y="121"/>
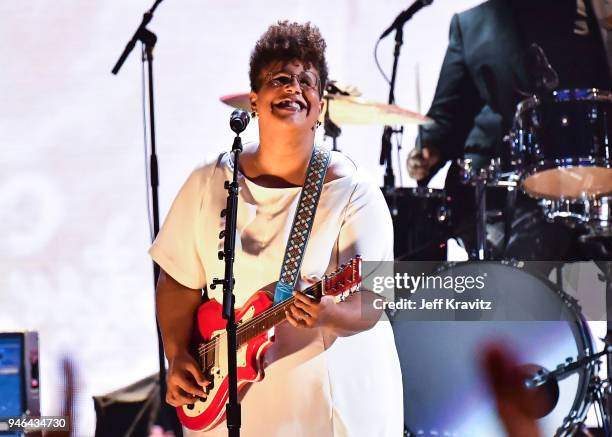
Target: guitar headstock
<point x="344" y="281"/>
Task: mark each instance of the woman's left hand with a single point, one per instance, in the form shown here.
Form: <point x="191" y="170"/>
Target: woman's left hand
<point x="308" y="313"/>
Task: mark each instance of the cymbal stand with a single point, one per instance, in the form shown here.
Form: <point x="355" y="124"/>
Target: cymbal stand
<point x="386" y="149"/>
<point x="398" y="26"/>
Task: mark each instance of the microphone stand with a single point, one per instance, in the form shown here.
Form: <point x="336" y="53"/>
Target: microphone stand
<point x="386" y="149"/>
<point x="167" y="416"/>
<point x="233" y="412"/>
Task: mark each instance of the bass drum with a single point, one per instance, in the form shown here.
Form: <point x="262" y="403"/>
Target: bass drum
<point x="445" y="389"/>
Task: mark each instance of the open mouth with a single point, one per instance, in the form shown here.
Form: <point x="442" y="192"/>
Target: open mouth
<point x="293" y="105"/>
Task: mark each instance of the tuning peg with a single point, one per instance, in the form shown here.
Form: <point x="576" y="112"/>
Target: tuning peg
<point x="221" y="234"/>
<point x="220" y="255"/>
<point x="223" y="213"/>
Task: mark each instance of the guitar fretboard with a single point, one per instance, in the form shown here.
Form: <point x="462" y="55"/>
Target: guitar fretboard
<point x="271" y="317"/>
<point x="347" y="278"/>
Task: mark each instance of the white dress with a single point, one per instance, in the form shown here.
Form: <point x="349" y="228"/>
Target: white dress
<point x="316" y="384"/>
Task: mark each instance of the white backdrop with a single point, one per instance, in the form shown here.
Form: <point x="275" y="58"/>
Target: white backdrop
<point x="72" y="186"/>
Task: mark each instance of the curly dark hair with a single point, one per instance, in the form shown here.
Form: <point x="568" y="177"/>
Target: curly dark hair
<point x="285" y="42"/>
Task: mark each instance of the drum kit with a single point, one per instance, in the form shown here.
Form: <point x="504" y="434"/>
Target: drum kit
<point x="561" y="155"/>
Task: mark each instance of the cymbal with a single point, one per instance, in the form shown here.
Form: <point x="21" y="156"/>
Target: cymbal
<point x="239" y="101"/>
<point x="349" y="110"/>
<point x="357" y="110"/>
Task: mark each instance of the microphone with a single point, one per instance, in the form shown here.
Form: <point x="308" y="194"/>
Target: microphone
<point x="406" y="15"/>
<point x="239" y="120"/>
<point x="546" y="75"/>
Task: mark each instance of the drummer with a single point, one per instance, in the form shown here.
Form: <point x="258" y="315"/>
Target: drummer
<point x="485" y="71"/>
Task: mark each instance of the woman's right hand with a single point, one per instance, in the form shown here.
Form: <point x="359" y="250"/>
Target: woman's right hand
<point x="185" y="380"/>
<point x="421" y="161"/>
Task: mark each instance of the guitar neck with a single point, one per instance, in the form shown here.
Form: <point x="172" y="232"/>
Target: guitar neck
<point x="271" y="317"/>
<point x="345" y="280"/>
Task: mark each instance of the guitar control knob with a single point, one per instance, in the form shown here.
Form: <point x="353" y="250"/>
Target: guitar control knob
<point x="216" y="282"/>
<point x="190" y="406"/>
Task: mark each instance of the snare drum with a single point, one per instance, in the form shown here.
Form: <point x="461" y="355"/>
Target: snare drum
<point x="592" y="214"/>
<point x="561" y="144"/>
<point x="421" y="223"/>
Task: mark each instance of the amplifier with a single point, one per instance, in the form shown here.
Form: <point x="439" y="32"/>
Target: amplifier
<point x="19" y="376"/>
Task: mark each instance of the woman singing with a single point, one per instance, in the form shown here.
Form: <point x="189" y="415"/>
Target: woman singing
<point x="330" y="371"/>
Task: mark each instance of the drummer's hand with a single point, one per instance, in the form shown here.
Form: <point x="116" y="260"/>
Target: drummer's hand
<point x="421" y="161"/>
<point x="305" y="312"/>
<point x="517" y="406"/>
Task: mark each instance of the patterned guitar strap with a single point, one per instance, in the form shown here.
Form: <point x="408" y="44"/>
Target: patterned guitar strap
<point x="302" y="223"/>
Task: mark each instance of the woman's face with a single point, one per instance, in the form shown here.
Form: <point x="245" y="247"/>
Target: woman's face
<point x="289" y="94"/>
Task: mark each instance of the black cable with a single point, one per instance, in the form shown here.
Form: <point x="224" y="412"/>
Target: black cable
<point x="378" y="63"/>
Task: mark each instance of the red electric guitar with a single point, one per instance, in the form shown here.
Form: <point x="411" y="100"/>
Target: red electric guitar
<point x="254" y="319"/>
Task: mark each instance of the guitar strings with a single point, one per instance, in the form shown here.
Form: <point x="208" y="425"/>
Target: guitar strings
<point x="211" y="345"/>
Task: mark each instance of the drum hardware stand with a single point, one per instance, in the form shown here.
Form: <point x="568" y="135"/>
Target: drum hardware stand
<point x="332" y="130"/>
<point x="386" y="157"/>
<point x="565" y="370"/>
<point x="167" y="416"/>
<point x="559" y="275"/>
<point x="606" y="268"/>
<point x="386" y="147"/>
<point x="233" y="413"/>
<point x="511" y="195"/>
<point x="480" y="179"/>
<point x="480" y="190"/>
<point x="597" y="392"/>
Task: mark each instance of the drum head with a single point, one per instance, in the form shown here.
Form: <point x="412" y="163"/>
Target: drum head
<point x="569" y="183"/>
<point x="445" y="388"/>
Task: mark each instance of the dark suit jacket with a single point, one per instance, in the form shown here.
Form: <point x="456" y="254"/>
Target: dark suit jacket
<point x="485" y="68"/>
